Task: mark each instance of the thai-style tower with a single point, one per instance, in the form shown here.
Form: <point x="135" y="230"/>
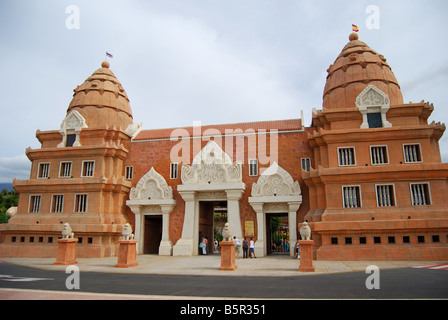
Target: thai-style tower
<point x="378" y="187"/>
<point x="77" y="176"/>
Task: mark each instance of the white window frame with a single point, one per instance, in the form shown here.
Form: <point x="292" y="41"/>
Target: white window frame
<point x="52" y="202"/>
<point x="129" y="172"/>
<point x="343" y="196"/>
<point x="84" y="162"/>
<point x="307" y="162"/>
<point x="354" y="157"/>
<point x="419" y="150"/>
<point x="76" y="204"/>
<point x="32" y="204"/>
<point x="253" y="163"/>
<point x="394" y="200"/>
<point x="60" y="169"/>
<point x="39" y="170"/>
<point x="387" y="155"/>
<point x="174" y="174"/>
<point x="429" y="193"/>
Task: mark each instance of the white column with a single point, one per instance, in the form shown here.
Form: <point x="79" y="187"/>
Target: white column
<point x="185" y="246"/>
<point x="260" y="244"/>
<point x="139" y="227"/>
<point x="292" y="221"/>
<point x="166" y="246"/>
<point x="233" y="211"/>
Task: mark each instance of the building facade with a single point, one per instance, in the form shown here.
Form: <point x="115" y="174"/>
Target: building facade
<point x="367" y="175"/>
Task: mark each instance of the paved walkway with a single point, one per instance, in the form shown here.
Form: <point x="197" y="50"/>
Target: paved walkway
<point x="272" y="266"/>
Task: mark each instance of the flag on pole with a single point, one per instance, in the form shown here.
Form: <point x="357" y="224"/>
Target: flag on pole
<point x="109" y="55"/>
<point x="355" y="28"/>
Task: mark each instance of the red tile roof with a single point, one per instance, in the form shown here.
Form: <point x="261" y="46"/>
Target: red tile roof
<point x="210" y="130"/>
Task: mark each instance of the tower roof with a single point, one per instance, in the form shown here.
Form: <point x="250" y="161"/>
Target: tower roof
<point x="354" y="69"/>
<point x="102" y="101"/>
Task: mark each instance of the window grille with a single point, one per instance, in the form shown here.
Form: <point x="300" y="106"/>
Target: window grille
<point x="412" y="153"/>
<point x="88" y="168"/>
<point x="253" y="168"/>
<point x="129" y="173"/>
<point x="66" y="170"/>
<point x="58" y="203"/>
<point x="44" y="171"/>
<point x="352" y="197"/>
<point x="81" y="203"/>
<point x="35" y="202"/>
<point x="379" y="155"/>
<point x="306" y="164"/>
<point x="174" y="171"/>
<point x="347" y="156"/>
<point x="385" y="196"/>
<point x="420" y="194"/>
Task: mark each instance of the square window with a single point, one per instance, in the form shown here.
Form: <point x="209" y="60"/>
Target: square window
<point x="377" y="240"/>
<point x="348" y="240"/>
<point x="385" y="196"/>
<point x="347" y="156"/>
<point x="379" y="155"/>
<point x="334" y="240"/>
<point x="412" y="153"/>
<point x="306" y="164"/>
<point x="391" y="240"/>
<point x="420" y="194"/>
<point x="43" y="171"/>
<point x="88" y="168"/>
<point x="65" y="170"/>
<point x="71" y="138"/>
<point x="351" y="196"/>
<point x="362" y="240"/>
<point x="375" y="120"/>
<point x="406" y="239"/>
<point x="421" y="239"/>
<point x="435" y="239"/>
<point x="35" y="202"/>
<point x="13" y="239"/>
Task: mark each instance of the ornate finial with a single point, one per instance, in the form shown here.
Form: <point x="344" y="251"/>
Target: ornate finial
<point x="353" y="36"/>
<point x="105" y="64"/>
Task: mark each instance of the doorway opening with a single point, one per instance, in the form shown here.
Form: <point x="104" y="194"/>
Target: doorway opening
<point x="153" y="234"/>
<point x="277" y="229"/>
<point x="212" y="218"/>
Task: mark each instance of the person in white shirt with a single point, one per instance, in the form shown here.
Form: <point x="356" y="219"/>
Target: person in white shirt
<point x="237" y="246"/>
<point x="252" y="248"/>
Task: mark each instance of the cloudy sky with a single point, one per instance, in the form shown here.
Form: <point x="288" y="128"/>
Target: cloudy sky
<point x="214" y="61"/>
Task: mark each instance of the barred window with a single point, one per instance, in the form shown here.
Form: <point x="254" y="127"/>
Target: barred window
<point x="88" y="168"/>
<point x="306" y="164"/>
<point x="420" y="194"/>
<point x="35" y="202"/>
<point x="58" y="203"/>
<point x="385" y="196"/>
<point x="129" y="173"/>
<point x="412" y="153"/>
<point x="352" y="196"/>
<point x="253" y="168"/>
<point x="81" y="203"/>
<point x="347" y="156"/>
<point x="174" y="167"/>
<point x="44" y="171"/>
<point x="379" y="155"/>
<point x="65" y="170"/>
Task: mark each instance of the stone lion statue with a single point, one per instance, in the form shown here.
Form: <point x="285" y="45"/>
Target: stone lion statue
<point x="127" y="232"/>
<point x="67" y="232"/>
<point x="305" y="232"/>
<point x="227" y="233"/>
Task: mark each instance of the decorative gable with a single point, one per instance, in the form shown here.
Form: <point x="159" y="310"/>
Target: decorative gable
<point x="152" y="186"/>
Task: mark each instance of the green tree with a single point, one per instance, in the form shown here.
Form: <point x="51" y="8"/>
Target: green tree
<point x="8" y="199"/>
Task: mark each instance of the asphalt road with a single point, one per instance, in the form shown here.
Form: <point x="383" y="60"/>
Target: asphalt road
<point x="394" y="284"/>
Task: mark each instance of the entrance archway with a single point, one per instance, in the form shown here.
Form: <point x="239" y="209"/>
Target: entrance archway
<point x="211" y="177"/>
<point x="275" y="192"/>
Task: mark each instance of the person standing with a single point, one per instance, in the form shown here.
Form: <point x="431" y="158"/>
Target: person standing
<point x="204" y="247"/>
<point x="252" y="248"/>
<point x="245" y="248"/>
<point x="237" y="246"/>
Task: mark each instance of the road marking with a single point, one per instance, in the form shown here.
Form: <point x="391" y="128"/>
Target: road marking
<point x="9" y="278"/>
<point x="434" y="267"/>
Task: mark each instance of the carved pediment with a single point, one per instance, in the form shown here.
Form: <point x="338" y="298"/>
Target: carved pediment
<point x="152" y="186"/>
<point x="275" y="181"/>
<point x="371" y="97"/>
<point x="73" y="121"/>
<point x="211" y="165"/>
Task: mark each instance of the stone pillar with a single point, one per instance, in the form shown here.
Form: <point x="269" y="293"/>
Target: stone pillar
<point x="127" y="254"/>
<point x="292" y="223"/>
<point x="185" y="246"/>
<point x="66" y="252"/>
<point x="260" y="245"/>
<point x="306" y="256"/>
<point x="228" y="256"/>
<point x="166" y="246"/>
<point x="139" y="227"/>
<point x="233" y="211"/>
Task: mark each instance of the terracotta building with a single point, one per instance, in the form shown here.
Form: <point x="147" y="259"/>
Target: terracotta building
<point x="367" y="176"/>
